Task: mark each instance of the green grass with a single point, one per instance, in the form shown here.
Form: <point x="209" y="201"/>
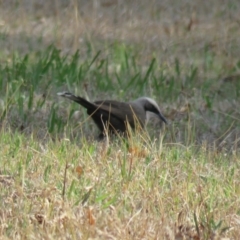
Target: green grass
<point x="58" y="170"/>
<point x="57" y="177"/>
<point x="179" y="181"/>
<point x="30" y="83"/>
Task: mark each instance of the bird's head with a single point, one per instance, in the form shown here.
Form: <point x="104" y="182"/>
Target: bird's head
<point x="150" y="105"/>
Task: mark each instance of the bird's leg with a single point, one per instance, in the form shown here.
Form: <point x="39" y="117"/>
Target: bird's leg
<point x="101" y="136"/>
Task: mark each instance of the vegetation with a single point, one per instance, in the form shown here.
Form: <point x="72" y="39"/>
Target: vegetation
<point x="179" y="181"/>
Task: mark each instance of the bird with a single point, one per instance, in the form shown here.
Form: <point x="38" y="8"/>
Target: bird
<point x="113" y="116"/>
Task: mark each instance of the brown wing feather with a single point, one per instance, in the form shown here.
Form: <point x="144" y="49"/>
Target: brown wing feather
<point x="122" y="111"/>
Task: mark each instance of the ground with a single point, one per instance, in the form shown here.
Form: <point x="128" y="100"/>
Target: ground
<point x="178" y="181"/>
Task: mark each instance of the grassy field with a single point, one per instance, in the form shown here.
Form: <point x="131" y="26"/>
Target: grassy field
<point x="179" y="181"/>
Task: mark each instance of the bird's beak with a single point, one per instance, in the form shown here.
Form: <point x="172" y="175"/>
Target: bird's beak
<point x="162" y="118"/>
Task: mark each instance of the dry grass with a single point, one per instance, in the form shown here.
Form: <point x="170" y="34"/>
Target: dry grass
<point x="138" y="192"/>
<point x="168" y="29"/>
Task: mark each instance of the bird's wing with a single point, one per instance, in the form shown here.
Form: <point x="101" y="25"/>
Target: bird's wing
<point x="108" y="113"/>
<point x="121" y="111"/>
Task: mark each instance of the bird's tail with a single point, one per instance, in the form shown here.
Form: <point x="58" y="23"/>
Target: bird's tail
<point x="79" y="100"/>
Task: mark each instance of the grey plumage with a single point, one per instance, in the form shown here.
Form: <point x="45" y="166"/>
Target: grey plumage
<point x="112" y="116"/>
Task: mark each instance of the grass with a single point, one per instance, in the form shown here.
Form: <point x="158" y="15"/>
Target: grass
<point x="165" y="189"/>
<point x="171" y="182"/>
